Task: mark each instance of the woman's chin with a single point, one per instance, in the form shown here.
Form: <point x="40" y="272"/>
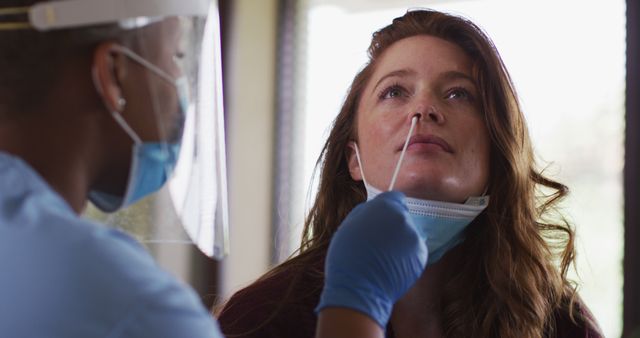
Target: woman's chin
<point x="435" y="191"/>
<point x="422" y="191"/>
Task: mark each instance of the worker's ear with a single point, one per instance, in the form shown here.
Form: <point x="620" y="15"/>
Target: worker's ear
<point x="108" y="71"/>
<point x="352" y="161"/>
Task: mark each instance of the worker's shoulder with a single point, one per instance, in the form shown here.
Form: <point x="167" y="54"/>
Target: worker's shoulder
<point x="88" y="280"/>
<point x="73" y="277"/>
<point x="150" y="301"/>
<point x="39" y="230"/>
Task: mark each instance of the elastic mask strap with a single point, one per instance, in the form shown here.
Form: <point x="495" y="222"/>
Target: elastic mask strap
<point x="120" y="120"/>
<point x="153" y="68"/>
<point x="360" y="164"/>
<point x="414" y="121"/>
<point x="140" y="60"/>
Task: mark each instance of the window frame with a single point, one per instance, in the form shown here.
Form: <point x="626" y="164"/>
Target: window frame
<point x="631" y="291"/>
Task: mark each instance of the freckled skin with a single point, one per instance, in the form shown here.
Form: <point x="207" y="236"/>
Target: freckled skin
<point x="450" y="109"/>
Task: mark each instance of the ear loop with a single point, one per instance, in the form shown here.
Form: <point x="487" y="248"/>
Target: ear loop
<point x="120" y="120"/>
<point x="155" y="70"/>
<point x="360" y="163"/>
<point x="114" y="112"/>
<point x="414" y="121"/>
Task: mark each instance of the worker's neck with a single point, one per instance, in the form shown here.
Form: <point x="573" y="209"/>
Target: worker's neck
<point x="56" y="150"/>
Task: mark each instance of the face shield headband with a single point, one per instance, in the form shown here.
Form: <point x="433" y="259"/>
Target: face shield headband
<point x="129" y="14"/>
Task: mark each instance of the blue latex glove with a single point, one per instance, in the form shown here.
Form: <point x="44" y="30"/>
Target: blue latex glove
<point x="374" y="258"/>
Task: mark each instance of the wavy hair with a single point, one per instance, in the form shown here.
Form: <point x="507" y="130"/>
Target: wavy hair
<point x="513" y="277"/>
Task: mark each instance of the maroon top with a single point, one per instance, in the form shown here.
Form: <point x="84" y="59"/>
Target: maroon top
<point x="259" y="311"/>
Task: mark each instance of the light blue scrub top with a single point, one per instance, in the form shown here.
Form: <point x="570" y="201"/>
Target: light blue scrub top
<point x="63" y="276"/>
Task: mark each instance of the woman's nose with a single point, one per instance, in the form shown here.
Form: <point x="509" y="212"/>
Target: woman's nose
<point x="428" y="114"/>
<point x="435" y="115"/>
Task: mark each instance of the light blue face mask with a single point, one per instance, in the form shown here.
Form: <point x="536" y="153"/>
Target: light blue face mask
<point x="152" y="163"/>
<point x="151" y="166"/>
<point x="440" y="224"/>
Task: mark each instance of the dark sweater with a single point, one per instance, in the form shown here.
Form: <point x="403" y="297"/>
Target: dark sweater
<point x="264" y="309"/>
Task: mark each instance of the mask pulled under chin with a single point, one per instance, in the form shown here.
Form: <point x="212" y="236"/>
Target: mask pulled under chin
<point x="440" y="224"/>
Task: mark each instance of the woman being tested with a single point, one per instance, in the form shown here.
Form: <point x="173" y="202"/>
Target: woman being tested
<point x="435" y="116"/>
<point x="98" y="101"/>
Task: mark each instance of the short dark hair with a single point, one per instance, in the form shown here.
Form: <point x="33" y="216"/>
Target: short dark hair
<point x="31" y="61"/>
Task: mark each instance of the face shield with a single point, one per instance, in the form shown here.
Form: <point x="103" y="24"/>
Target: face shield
<point x="171" y="108"/>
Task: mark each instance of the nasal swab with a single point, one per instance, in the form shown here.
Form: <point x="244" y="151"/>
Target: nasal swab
<point x="414" y="120"/>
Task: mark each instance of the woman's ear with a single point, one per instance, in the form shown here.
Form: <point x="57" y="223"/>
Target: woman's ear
<point x="352" y="161"/>
<point x="108" y="71"/>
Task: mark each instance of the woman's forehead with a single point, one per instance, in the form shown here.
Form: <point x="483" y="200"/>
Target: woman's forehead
<point x="422" y="55"/>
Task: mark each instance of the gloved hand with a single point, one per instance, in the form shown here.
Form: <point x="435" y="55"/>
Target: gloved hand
<point x="373" y="259"/>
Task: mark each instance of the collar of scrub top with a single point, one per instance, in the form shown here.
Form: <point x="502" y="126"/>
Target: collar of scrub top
<point x="129" y="14"/>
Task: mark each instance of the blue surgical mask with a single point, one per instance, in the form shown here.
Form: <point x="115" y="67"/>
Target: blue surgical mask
<point x="152" y="163"/>
<point x="440" y="224"/>
<point x="151" y="166"/>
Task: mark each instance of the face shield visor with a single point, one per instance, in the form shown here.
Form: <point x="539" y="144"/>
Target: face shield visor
<point x="170" y="107"/>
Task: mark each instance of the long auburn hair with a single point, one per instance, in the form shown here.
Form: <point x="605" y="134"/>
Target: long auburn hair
<point x="513" y="277"/>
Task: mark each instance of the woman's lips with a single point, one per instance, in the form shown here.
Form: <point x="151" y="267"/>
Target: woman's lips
<point x="427" y="141"/>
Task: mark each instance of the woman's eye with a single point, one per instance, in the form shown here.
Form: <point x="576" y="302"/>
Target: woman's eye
<point x="459" y="94"/>
<point x="392" y="92"/>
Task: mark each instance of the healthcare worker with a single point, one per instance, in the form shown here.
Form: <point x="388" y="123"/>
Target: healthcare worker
<point x="106" y="101"/>
<point x="101" y="100"/>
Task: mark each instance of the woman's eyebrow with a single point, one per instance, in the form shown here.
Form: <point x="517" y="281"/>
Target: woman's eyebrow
<point x="455" y="75"/>
<point x="396" y="73"/>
